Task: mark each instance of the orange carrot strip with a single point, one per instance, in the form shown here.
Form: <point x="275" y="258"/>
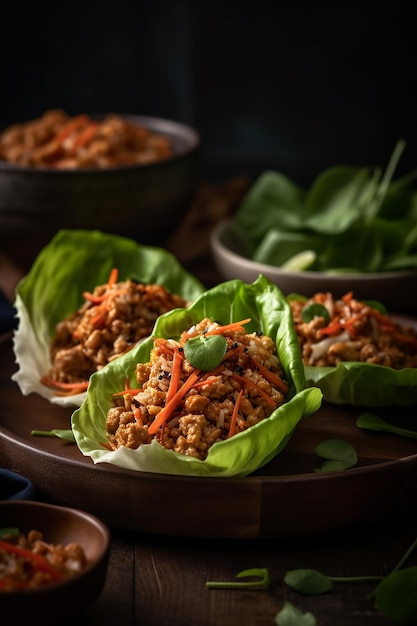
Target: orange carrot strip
<point x="70" y="126"/>
<point x="233" y="421"/>
<point x="85" y="136"/>
<point x="68" y="387"/>
<point x="138" y="415"/>
<point x="110" y="282"/>
<point x="209" y="380"/>
<point x="402" y="338"/>
<point x="38" y="560"/>
<point x="166" y="412"/>
<point x="220" y="330"/>
<point x="246" y="381"/>
<point x="175" y="375"/>
<point x="161" y="344"/>
<point x="94" y="299"/>
<point x="272" y="378"/>
<point x="128" y="390"/>
<point x="113" y="277"/>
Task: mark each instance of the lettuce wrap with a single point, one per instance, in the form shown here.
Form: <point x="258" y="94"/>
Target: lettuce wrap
<point x="73" y="262"/>
<point x="361" y="383"/>
<point x="242" y="454"/>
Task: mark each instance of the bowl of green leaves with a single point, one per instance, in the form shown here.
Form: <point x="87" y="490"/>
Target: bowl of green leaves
<point x="354" y="229"/>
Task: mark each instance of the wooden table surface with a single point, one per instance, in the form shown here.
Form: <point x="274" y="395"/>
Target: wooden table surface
<point x="155" y="580"/>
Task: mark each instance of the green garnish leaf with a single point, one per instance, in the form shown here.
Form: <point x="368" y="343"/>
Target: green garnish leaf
<point x="289" y="615"/>
<point x="371" y="421"/>
<point x="67" y="435"/>
<point x="262" y="582"/>
<point x="205" y="353"/>
<point x="8" y="532"/>
<point x="338" y="455"/>
<point x="311" y="311"/>
<point x="308" y="581"/>
<point x="396" y="596"/>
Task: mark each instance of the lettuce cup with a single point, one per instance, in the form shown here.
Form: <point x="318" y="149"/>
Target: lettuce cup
<point x="355" y="352"/>
<point x="63" y="283"/>
<point x="240" y="322"/>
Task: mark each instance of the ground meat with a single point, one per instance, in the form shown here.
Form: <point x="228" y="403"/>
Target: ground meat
<point x="352" y="331"/>
<point x="112" y="320"/>
<point x="243" y="389"/>
<point x="57" y="140"/>
<point x="54" y="562"/>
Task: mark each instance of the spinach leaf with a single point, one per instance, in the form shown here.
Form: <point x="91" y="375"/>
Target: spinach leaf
<point x="205" y="353"/>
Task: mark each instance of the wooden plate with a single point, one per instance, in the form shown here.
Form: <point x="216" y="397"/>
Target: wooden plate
<point x="285" y="498"/>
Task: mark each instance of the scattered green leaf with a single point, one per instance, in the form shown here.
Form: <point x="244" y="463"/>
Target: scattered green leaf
<point x="396" y="596"/>
<point x="260" y="574"/>
<point x="308" y="581"/>
<point x="67" y="435"/>
<point x="338" y="455"/>
<point x="291" y="616"/>
<point x="371" y="421"/>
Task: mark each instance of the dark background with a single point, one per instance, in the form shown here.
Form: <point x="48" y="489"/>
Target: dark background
<point x="293" y="86"/>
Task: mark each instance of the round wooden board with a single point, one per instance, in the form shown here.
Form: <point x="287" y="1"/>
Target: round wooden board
<point x="285" y="498"/>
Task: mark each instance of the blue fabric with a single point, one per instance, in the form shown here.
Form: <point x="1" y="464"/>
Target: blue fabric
<point x="14" y="486"/>
<point x="8" y="321"/>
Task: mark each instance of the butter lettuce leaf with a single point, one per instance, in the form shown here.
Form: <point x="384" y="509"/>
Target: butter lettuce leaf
<point x="240" y="455"/>
<point x="365" y="384"/>
<point x="75" y="261"/>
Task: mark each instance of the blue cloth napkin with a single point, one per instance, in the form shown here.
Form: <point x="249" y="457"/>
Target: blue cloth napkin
<point x="8" y="320"/>
<point x="14" y="486"/>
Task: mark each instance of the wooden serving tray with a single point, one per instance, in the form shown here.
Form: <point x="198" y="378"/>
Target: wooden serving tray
<point x="285" y="498"/>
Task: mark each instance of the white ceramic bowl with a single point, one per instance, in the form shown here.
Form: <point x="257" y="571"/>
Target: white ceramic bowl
<point x="396" y="290"/>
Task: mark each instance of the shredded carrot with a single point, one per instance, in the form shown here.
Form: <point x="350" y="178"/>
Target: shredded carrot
<point x="70" y="126"/>
<point x="108" y="446"/>
<point x="207" y="380"/>
<point x="85" y="136"/>
<point x="113" y="277"/>
<point x="137" y="414"/>
<point x="272" y="378"/>
<point x="348" y="297"/>
<point x="247" y="381"/>
<point x="110" y="282"/>
<point x="233" y="421"/>
<point x="175" y="375"/>
<point x="163" y="347"/>
<point x="68" y="388"/>
<point x="382" y="319"/>
<point x="128" y="390"/>
<point x="220" y="330"/>
<point x="38" y="560"/>
<point x="402" y="338"/>
<point x="166" y="412"/>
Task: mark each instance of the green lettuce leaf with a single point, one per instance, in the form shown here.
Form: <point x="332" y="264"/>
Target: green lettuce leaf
<point x="73" y="262"/>
<point x="365" y="384"/>
<point x="240" y="455"/>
